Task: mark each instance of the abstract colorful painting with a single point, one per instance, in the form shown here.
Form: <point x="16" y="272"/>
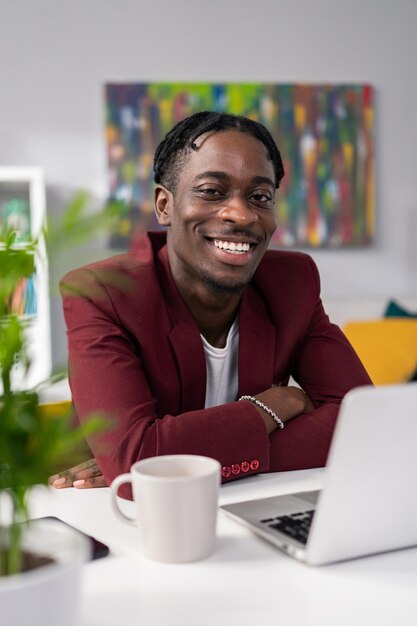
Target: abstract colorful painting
<point x="324" y="132"/>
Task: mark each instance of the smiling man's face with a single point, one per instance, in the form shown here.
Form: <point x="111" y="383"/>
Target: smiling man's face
<point x="221" y="216"/>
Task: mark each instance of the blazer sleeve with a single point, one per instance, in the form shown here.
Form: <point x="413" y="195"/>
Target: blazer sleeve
<point x="326" y="367"/>
<point x="107" y="376"/>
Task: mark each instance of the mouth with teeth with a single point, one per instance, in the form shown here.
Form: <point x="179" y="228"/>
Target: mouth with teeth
<point x="233" y="247"/>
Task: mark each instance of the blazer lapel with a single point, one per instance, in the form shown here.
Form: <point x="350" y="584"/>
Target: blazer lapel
<point x="185" y="341"/>
<point x="188" y="348"/>
<point x="256" y="345"/>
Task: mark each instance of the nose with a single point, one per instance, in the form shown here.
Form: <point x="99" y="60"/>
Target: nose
<point x="236" y="209"/>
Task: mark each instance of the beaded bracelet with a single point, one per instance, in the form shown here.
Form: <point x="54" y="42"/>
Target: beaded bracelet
<point x="266" y="409"/>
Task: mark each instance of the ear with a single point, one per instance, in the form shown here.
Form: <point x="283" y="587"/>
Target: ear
<point x="163" y="204"/>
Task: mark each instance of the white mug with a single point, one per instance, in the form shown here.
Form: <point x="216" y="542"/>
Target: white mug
<point x="176" y="500"/>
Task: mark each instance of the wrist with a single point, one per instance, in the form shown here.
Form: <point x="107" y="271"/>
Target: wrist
<point x="286" y="402"/>
<point x="271" y="419"/>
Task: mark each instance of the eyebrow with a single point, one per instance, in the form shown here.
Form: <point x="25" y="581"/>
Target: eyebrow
<point x="257" y="180"/>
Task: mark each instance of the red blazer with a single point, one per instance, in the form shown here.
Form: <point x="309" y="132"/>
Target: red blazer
<point x="136" y="354"/>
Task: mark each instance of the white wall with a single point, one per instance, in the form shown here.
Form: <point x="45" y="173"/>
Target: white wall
<point x="56" y="55"/>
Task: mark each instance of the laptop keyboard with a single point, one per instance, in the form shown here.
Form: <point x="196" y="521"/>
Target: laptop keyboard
<point x="296" y="525"/>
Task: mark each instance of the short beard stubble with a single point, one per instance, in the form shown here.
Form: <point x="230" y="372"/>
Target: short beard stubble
<point x="223" y="289"/>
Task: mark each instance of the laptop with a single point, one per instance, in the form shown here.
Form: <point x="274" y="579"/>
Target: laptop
<point x="369" y="500"/>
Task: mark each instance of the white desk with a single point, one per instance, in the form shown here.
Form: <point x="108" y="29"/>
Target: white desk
<point x="247" y="582"/>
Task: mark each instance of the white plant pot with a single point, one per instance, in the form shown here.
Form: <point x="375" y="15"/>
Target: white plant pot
<point x="48" y="595"/>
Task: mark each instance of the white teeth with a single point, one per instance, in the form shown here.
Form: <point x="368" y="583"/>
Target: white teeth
<point x="231" y="246"/>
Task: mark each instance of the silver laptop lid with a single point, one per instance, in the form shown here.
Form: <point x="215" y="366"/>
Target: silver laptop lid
<point x="369" y="500"/>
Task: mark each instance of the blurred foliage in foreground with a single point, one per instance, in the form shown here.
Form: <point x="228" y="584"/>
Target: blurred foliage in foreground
<point x="32" y="444"/>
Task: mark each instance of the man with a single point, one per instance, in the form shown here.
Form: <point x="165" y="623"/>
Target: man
<point x="189" y="340"/>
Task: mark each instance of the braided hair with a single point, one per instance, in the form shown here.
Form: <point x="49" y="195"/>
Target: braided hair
<point x="174" y="151"/>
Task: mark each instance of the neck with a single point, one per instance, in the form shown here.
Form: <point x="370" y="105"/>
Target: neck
<point x="213" y="309"/>
<point x="213" y="313"/>
<point x="214" y="325"/>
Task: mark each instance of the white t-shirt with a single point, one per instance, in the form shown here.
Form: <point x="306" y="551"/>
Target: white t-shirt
<point x="222" y="369"/>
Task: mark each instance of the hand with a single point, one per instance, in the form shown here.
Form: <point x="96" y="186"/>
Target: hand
<point x="286" y="402"/>
<point x="83" y="476"/>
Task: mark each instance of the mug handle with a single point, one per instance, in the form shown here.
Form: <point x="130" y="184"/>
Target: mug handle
<point x="117" y="482"/>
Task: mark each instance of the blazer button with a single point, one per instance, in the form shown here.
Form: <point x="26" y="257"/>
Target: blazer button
<point x="254" y="464"/>
<point x="235" y="468"/>
<point x="245" y="466"/>
<point x="226" y="471"/>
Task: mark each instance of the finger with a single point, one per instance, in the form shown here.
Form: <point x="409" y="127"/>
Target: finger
<point x="83" y="466"/>
<point x="73" y="473"/>
<point x="90" y="483"/>
<point x="62" y="482"/>
<point x="64" y="479"/>
<point x="90" y="472"/>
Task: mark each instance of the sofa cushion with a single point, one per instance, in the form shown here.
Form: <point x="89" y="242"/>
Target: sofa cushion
<point x="397" y="310"/>
<point x="387" y="348"/>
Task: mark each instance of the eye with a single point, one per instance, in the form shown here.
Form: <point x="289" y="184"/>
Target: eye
<point x="209" y="192"/>
<point x="262" y="197"/>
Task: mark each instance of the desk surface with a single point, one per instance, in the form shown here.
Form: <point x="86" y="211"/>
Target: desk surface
<point x="245" y="582"/>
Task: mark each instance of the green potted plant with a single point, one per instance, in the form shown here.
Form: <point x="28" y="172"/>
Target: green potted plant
<point x="32" y="447"/>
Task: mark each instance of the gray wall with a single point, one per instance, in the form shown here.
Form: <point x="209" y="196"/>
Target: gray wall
<point x="56" y="55"/>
